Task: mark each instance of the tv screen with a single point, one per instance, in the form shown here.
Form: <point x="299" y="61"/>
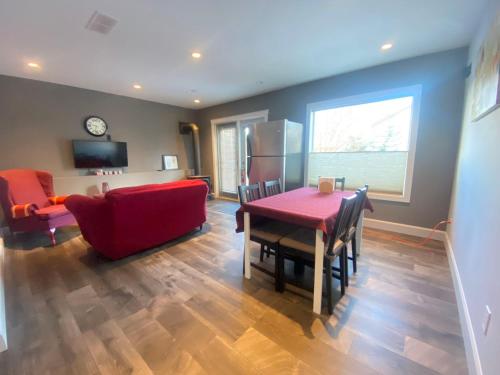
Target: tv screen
<point x="96" y="154"/>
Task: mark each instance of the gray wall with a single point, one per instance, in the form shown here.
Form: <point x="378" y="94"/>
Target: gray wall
<point x="475" y="209"/>
<point x="38" y="120"/>
<point x="442" y="78"/>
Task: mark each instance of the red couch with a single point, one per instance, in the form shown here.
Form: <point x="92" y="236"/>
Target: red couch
<point x="128" y="220"/>
<point x="29" y="203"/>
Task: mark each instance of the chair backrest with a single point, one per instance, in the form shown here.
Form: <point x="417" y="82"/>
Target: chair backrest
<point x="249" y="193"/>
<point x="358" y="208"/>
<point x="23" y="186"/>
<point x="272" y="187"/>
<point x="356" y="213"/>
<point x="340" y="181"/>
<point x="341" y="226"/>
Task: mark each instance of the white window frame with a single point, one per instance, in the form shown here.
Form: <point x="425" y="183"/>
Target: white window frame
<point x="224" y="120"/>
<point x="414" y="91"/>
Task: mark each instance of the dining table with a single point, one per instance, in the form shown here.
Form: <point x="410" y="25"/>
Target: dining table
<point x="305" y="207"/>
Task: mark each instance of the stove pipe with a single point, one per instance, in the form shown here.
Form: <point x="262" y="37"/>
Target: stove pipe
<point x="190" y="127"/>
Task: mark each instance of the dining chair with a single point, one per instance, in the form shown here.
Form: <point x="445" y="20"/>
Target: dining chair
<point x="249" y="193"/>
<point x="353" y="224"/>
<point x="340" y="181"/>
<point x="301" y="245"/>
<point x="267" y="233"/>
<point x="272" y="187"/>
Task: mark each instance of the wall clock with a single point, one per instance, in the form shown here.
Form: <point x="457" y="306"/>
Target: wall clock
<point x="95" y="126"/>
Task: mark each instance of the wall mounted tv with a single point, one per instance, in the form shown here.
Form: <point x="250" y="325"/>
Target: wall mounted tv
<point x="98" y="154"/>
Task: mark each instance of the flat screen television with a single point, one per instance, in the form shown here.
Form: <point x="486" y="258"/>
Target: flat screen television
<point x="99" y="154"/>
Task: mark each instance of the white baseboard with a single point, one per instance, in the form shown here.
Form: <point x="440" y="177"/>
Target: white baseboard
<point x="473" y="360"/>
<point x="411" y="230"/>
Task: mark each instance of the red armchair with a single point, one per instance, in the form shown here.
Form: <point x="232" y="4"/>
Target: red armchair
<point x="29" y="203"/>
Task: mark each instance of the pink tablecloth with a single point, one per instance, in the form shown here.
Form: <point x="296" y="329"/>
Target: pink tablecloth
<point x="305" y="207"/>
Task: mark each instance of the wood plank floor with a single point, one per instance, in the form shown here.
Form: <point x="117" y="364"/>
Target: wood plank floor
<point x="184" y="308"/>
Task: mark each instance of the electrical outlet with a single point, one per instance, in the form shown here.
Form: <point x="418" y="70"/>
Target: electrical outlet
<point x="486" y="320"/>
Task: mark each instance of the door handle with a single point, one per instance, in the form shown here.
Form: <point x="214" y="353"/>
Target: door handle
<point x="249" y="156"/>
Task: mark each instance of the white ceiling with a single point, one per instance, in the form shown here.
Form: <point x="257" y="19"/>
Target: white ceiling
<point x="248" y="46"/>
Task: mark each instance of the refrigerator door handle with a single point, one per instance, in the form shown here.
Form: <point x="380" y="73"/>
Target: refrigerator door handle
<point x="249" y="155"/>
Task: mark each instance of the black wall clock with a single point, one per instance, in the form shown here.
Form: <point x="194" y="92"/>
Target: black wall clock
<point x="95" y="126"/>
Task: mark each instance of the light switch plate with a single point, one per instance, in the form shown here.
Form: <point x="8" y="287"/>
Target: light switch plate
<point x="486" y="320"/>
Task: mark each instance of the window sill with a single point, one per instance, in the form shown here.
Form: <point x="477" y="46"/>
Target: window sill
<point x="389" y="197"/>
<point x="379" y="196"/>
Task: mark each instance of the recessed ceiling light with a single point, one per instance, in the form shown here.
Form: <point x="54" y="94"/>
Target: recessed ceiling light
<point x="196" y="55"/>
<point x="33" y="65"/>
<point x="197" y="101"/>
<point x="137" y="86"/>
<point x="386" y="46"/>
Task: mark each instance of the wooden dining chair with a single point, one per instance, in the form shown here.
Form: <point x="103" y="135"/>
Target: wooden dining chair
<point x="267" y="233"/>
<point x="272" y="187"/>
<point x="249" y="193"/>
<point x="353" y="225"/>
<point x="340" y="181"/>
<point x="301" y="245"/>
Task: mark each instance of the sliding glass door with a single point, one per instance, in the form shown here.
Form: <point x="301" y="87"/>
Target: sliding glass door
<point x="230" y="156"/>
<point x="228" y="159"/>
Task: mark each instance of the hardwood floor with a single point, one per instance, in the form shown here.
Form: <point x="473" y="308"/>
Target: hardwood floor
<point x="184" y="308"/>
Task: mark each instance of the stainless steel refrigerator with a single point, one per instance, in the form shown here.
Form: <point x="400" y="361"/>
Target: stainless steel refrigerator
<point x="275" y="150"/>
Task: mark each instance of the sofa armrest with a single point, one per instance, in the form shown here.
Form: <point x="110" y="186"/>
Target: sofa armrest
<point x="84" y="208"/>
<point x="23" y="210"/>
<point x="94" y="218"/>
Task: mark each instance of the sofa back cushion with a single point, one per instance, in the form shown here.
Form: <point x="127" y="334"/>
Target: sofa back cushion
<point x="162" y="186"/>
<point x="24" y="187"/>
<point x="145" y="216"/>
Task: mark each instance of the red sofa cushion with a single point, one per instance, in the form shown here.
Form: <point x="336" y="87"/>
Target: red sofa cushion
<point x="51" y="212"/>
<point x="149" y="187"/>
<point x="24" y="187"/>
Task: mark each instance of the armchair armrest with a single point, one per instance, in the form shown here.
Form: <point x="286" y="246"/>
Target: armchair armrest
<point x="23" y="210"/>
<point x="58" y="199"/>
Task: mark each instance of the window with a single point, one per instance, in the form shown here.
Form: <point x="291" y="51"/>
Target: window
<point x="227" y="141"/>
<point x="369" y="139"/>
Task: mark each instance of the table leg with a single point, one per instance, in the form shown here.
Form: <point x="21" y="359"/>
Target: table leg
<point x="359" y="233"/>
<point x="318" y="271"/>
<point x="246" y="248"/>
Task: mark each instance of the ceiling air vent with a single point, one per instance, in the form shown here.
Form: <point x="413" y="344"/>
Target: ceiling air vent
<point x="100" y="23"/>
